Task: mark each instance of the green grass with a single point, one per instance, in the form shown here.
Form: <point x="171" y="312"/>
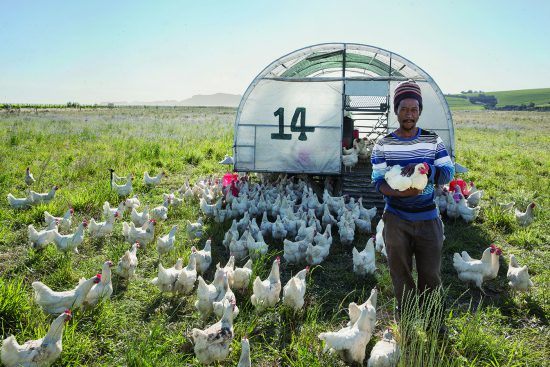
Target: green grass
<point x="459" y="104"/>
<point x="539" y="97"/>
<point x="506" y="152"/>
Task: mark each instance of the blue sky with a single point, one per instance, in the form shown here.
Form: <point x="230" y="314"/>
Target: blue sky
<point x="97" y="51"/>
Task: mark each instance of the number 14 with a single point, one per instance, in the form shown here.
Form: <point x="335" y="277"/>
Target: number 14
<point x="302" y="129"/>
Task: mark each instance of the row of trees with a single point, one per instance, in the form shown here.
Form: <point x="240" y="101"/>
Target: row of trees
<point x="15" y="106"/>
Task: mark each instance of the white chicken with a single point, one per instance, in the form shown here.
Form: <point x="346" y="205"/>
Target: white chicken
<point x="132" y="203"/>
<point x="278" y="230"/>
<point x="194" y="230"/>
<point x="241" y="276"/>
<point x="295" y="289"/>
<point x="166" y="278"/>
<point x="139" y="219"/>
<point x="385" y="353"/>
<point x="187" y="276"/>
<point x="64" y="222"/>
<point x="257" y="248"/>
<point x="364" y="262"/>
<point x="101" y="290"/>
<point x="417" y="180"/>
<point x="29" y="178"/>
<point x="128" y="262"/>
<point x="208" y="293"/>
<point x="518" y="276"/>
<point x="354" y="310"/>
<point x="123" y="190"/>
<point x="42" y="198"/>
<point x="226" y="294"/>
<point x="160" y="212"/>
<point x="153" y="181"/>
<point x="166" y="243"/>
<point x="244" y="360"/>
<point x="142" y="235"/>
<point x="204" y="257"/>
<point x="477" y="271"/>
<point x="350" y="160"/>
<point x="40" y="239"/>
<point x="295" y="252"/>
<point x="213" y="343"/>
<point x="110" y="212"/>
<point x="19" y="203"/>
<point x="527" y="217"/>
<point x="265" y="225"/>
<point x="101" y="229"/>
<point x="70" y="242"/>
<point x="315" y="254"/>
<point x="380" y="246"/>
<point x="350" y="342"/>
<point x="467" y="213"/>
<point x="474" y="198"/>
<point x="36" y="353"/>
<point x="266" y="293"/>
<point x="56" y="302"/>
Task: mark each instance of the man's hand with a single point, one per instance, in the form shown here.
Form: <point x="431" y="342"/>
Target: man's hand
<point x="408" y="170"/>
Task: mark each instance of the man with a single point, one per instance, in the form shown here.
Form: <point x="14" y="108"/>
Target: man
<point x="411" y="222"/>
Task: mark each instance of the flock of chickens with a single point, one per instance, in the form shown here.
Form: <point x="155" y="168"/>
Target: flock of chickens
<point x="302" y="223"/>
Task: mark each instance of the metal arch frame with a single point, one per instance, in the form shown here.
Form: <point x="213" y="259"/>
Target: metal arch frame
<point x="345" y="47"/>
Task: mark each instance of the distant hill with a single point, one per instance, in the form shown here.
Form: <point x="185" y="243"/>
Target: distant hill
<point x="538" y="97"/>
<point x="210" y="100"/>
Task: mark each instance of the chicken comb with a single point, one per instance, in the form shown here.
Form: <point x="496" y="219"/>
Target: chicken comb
<point x="67" y="312"/>
<point x="71" y="210"/>
<point x="307" y="268"/>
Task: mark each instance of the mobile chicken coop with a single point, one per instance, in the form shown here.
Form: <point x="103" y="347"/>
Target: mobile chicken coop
<point x="300" y="110"/>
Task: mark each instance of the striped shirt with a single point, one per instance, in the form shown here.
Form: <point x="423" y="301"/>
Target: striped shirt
<point x="427" y="147"/>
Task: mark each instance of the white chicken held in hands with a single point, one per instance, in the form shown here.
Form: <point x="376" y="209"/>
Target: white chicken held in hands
<point x="418" y="180"/>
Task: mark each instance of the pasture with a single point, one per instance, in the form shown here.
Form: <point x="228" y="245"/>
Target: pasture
<point x="508" y="154"/>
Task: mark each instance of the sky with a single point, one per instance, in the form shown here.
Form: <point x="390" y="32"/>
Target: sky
<point x="109" y="51"/>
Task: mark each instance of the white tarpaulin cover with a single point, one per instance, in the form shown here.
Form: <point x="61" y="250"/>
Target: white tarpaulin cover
<point x="304" y="90"/>
<point x="316" y="151"/>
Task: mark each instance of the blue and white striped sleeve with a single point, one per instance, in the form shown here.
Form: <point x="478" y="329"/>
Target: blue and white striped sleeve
<point x="444" y="167"/>
<point x="378" y="164"/>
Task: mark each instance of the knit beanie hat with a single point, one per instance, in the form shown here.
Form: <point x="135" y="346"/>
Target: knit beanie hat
<point x="404" y="90"/>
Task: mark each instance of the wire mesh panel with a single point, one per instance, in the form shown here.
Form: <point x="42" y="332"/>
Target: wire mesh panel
<point x="367" y="103"/>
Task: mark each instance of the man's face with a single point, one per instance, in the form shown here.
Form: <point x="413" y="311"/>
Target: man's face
<point x="408" y="113"/>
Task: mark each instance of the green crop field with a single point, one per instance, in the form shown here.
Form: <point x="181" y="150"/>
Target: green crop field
<point x="459" y="104"/>
<point x="540" y="97"/>
<point x="508" y="154"/>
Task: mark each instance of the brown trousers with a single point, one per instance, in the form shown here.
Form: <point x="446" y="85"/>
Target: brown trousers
<point x="403" y="239"/>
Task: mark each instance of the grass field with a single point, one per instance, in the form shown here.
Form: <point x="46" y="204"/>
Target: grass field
<point x="508" y="157"/>
<point x="459" y="104"/>
<point x="540" y="97"/>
